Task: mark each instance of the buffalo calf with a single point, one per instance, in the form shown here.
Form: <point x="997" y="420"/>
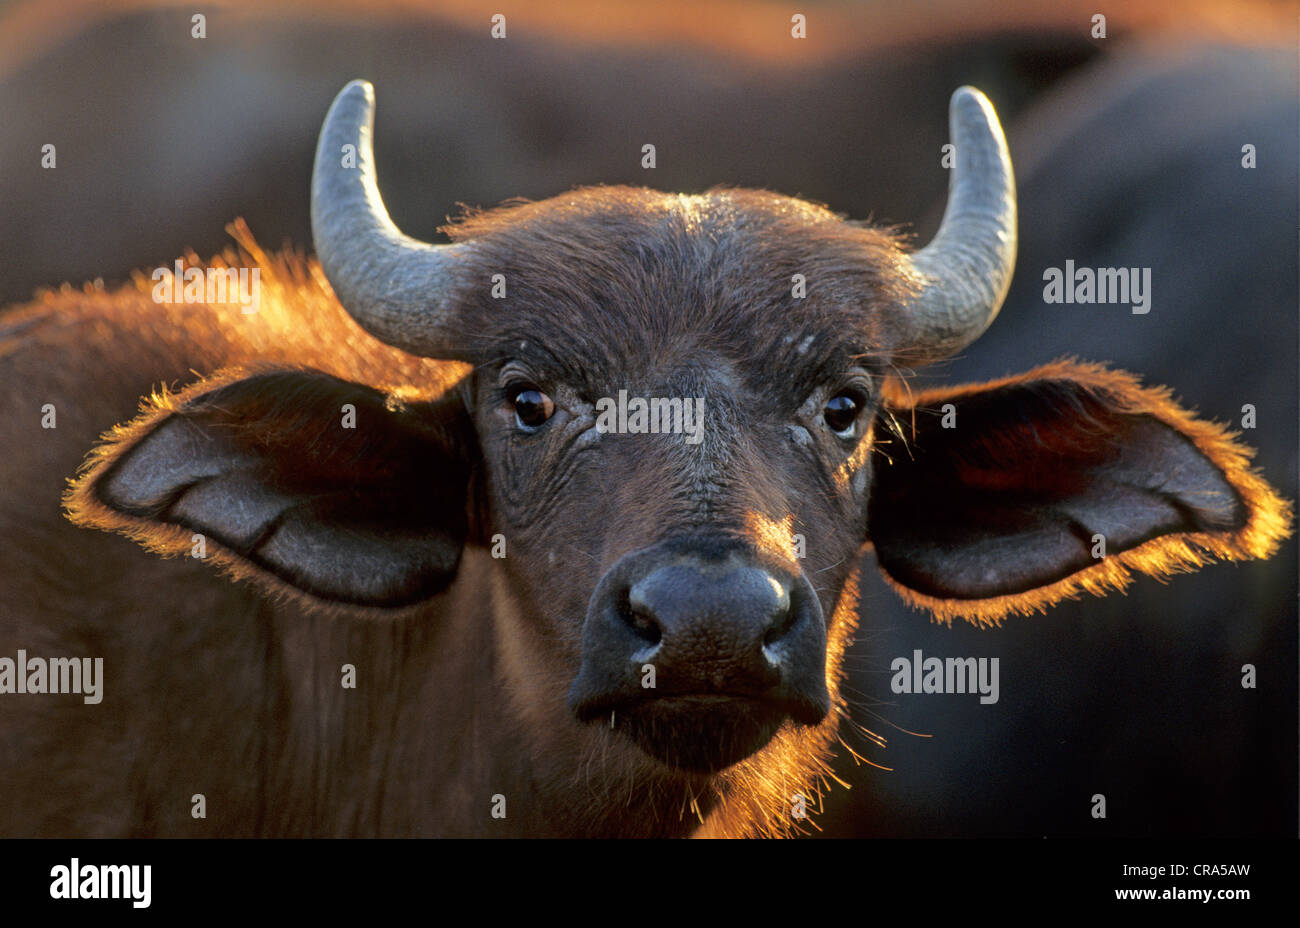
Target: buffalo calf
<point x="464" y="585"/>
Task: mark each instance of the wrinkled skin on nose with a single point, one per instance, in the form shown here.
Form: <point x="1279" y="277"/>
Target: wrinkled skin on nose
<point x="699" y="656"/>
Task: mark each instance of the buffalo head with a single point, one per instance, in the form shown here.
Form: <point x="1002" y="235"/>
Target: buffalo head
<point x="684" y="417"/>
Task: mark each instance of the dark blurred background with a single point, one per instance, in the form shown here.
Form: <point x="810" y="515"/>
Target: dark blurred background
<point x="1128" y="152"/>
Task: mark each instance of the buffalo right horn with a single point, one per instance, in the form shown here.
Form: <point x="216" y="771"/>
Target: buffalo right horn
<point x="397" y="288"/>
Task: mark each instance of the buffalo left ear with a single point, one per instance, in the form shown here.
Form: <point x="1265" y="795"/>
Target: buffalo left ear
<point x="1006" y="497"/>
<point x="296" y="480"/>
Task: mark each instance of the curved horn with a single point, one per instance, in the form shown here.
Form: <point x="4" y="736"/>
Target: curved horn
<point x="967" y="267"/>
<point x="396" y="287"/>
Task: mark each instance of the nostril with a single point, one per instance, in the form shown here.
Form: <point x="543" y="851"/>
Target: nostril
<point x="639" y="620"/>
<point x="783" y="624"/>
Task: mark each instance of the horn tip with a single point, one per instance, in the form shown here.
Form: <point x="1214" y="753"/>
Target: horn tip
<point x="359" y="89"/>
<point x="967" y="97"/>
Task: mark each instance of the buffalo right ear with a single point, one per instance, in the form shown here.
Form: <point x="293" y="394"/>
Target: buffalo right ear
<point x="296" y="480"/>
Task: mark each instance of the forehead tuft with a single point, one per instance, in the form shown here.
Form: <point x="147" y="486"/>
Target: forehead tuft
<point x="630" y="269"/>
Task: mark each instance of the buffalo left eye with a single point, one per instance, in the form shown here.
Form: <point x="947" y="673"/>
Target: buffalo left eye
<point x="532" y="407"/>
<point x="841" y="413"/>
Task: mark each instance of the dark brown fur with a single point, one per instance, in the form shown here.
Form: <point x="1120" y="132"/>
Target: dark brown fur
<point x="232" y="690"/>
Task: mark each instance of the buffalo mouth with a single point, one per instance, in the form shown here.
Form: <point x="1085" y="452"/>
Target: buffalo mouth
<point x="703" y="733"/>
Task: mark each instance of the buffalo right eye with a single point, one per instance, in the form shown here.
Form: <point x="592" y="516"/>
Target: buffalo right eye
<point x="841" y="413"/>
<point x="532" y="407"/>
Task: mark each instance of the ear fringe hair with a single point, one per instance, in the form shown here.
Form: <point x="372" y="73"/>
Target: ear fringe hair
<point x="84" y="509"/>
<point x="1269" y="519"/>
<point x="293" y="287"/>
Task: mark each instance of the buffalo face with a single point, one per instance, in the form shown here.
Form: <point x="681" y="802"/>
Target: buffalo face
<point x="688" y="569"/>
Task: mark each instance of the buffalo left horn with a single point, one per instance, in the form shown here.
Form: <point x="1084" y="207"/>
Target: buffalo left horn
<point x="966" y="269"/>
